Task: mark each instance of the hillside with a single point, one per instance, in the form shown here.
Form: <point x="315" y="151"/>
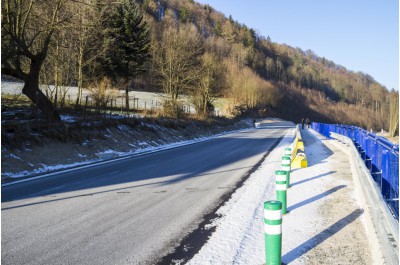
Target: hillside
<point x="304" y="84"/>
<point x="180" y="48"/>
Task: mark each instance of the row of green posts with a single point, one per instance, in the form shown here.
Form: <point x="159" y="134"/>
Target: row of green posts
<point x="273" y="211"/>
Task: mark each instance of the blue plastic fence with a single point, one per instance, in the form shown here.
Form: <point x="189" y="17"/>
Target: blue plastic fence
<point x="380" y="155"/>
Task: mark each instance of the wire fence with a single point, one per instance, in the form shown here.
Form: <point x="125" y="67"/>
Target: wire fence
<point x="381" y="157"/>
<point x="137" y="104"/>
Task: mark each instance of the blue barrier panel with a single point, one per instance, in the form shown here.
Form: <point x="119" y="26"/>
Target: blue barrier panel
<point x="380" y="155"/>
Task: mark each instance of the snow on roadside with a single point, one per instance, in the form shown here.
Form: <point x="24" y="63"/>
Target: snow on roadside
<point x="311" y="232"/>
<point x="44" y="169"/>
<point x="238" y="238"/>
<point x="68" y="118"/>
<point x="109" y="156"/>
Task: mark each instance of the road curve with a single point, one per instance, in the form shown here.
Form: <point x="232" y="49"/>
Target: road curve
<point x="133" y="211"/>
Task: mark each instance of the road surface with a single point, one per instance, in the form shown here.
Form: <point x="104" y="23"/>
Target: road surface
<point x="133" y="211"/>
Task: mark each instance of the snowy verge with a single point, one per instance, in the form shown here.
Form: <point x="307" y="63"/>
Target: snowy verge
<point x="238" y="238"/>
<point x="323" y="216"/>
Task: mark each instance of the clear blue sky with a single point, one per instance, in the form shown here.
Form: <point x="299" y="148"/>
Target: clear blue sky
<point x="361" y="35"/>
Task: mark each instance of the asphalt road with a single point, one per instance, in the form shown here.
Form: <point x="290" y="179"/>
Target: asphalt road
<point x="133" y="211"/>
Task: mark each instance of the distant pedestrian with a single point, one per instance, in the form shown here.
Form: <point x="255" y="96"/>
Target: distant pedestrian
<point x="302" y="123"/>
<point x="308" y="122"/>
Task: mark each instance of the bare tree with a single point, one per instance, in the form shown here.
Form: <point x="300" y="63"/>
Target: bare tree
<point x="394" y="114"/>
<point x="59" y="69"/>
<point x="203" y="93"/>
<point x="85" y="30"/>
<point x="27" y="31"/>
<point x="178" y="60"/>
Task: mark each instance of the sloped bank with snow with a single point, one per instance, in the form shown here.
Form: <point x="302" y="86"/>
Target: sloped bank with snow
<point x="74" y="145"/>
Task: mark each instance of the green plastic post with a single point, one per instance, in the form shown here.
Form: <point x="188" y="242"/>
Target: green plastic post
<point x="281" y="188"/>
<point x="286" y="167"/>
<point x="273" y="232"/>
<point x="286" y="162"/>
<point x="288" y="152"/>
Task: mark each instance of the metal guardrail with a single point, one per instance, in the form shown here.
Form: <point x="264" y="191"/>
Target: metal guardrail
<point x="380" y="156"/>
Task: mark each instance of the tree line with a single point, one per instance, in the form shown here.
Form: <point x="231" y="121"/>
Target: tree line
<point x="178" y="47"/>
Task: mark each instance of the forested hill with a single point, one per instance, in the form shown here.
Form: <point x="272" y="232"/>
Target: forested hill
<point x="179" y="47"/>
<point x="300" y="83"/>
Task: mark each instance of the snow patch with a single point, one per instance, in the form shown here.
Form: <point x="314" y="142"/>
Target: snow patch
<point x="43" y="169"/>
<point x="14" y="156"/>
<point x="67" y="118"/>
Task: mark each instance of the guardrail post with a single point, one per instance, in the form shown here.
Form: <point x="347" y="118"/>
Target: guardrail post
<point x="286" y="167"/>
<point x="368" y="163"/>
<point x="358" y="147"/>
<point x="281" y="188"/>
<point x="273" y="232"/>
<point x="363" y="155"/>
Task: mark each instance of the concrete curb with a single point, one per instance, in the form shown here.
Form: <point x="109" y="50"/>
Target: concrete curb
<point x="384" y="224"/>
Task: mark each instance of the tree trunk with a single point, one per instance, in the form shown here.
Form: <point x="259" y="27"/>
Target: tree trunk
<point x="32" y="91"/>
<point x="80" y="76"/>
<point x="127" y="97"/>
<point x="205" y="108"/>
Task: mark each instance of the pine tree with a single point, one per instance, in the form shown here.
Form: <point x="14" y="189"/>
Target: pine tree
<point x="126" y="43"/>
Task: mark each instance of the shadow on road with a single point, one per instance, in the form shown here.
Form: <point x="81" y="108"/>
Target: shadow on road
<point x="119" y="190"/>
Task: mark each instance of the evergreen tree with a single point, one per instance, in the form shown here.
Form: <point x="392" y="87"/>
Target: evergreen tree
<point x="126" y="43"/>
